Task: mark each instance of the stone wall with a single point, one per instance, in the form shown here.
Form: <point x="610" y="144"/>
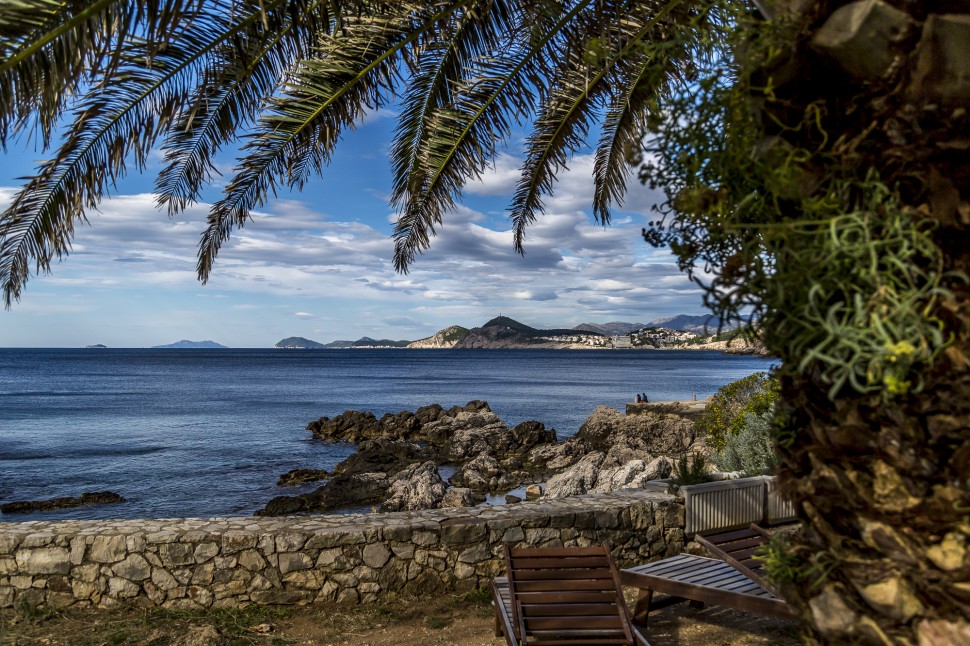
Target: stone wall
<point x="189" y="563"/>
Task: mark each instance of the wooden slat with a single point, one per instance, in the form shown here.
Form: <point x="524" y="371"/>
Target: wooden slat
<point x="568" y="596"/>
<point x="561" y="574"/>
<point x="573" y="623"/>
<point x="724" y="537"/>
<point x="555" y="552"/>
<point x="567" y="609"/>
<point x="523" y="563"/>
<point x="737" y="546"/>
<point x="546" y="585"/>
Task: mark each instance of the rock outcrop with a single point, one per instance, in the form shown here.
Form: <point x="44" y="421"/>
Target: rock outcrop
<point x="51" y="504"/>
<point x="395" y="464"/>
<point x="443" y="339"/>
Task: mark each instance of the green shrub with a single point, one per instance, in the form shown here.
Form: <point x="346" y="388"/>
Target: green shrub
<point x="725" y="414"/>
<point x="751" y="449"/>
<point x="688" y="470"/>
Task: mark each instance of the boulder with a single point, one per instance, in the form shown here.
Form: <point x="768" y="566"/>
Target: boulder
<point x="460" y="497"/>
<point x="632" y="475"/>
<point x="533" y="492"/>
<point x="417" y="487"/>
<point x="576" y="480"/>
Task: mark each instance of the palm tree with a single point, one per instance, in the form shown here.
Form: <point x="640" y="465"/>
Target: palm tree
<point x="286" y="78"/>
<point x="827" y="185"/>
<point x="809" y="191"/>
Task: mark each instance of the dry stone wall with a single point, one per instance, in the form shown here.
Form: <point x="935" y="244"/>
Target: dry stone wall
<point x="191" y="563"/>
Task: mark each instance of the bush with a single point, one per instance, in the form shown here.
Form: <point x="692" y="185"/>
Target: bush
<point x="725" y="414"/>
<point x="751" y="449"/>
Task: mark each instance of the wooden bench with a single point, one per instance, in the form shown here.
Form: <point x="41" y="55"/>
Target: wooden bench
<point x="561" y="596"/>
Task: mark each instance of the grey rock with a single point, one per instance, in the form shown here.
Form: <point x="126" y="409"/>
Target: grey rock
<point x="863" y="38"/>
<point x="417" y="487"/>
<point x="578" y="479"/>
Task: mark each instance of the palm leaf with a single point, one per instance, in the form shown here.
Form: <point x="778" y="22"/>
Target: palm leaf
<point x="495" y="90"/>
<point x="355" y="70"/>
<point x="589" y="71"/>
<point x="232" y="92"/>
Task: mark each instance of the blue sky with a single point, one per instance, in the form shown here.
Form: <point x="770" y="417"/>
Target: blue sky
<point x="318" y="263"/>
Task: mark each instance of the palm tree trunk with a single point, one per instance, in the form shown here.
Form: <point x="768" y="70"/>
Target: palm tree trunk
<point x="882" y="484"/>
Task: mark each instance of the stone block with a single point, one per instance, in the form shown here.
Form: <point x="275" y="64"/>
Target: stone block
<point x="475" y="554"/>
<point x="345" y="580"/>
<point x="282" y="597"/>
<point x="290" y="541"/>
<point x="205" y="551"/>
<point x="942" y="71"/>
<point x="107" y="549"/>
<point x="376" y="555"/>
<point x="44" y="560"/>
<point x="306" y="579"/>
<point x="513" y="535"/>
<point x="39" y="539"/>
<point x="133" y="568"/>
<point x="403" y="551"/>
<point x="291" y="561"/>
<point x="233" y="542"/>
<point x="9" y="543"/>
<point x="348" y="597"/>
<point x="122" y="588"/>
<point x="229" y="589"/>
<point x="425" y="539"/>
<point x="200" y="595"/>
<point x="163" y="579"/>
<point x="174" y="554"/>
<point x="8" y="565"/>
<point x="863" y="38"/>
<point x="252" y="560"/>
<point x="78" y="547"/>
<point x="135" y="543"/>
<point x="202" y="574"/>
<point x="463" y="533"/>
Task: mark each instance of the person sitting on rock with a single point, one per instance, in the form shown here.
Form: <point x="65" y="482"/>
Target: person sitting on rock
<point x="638" y="398"/>
<point x="644" y="398"/>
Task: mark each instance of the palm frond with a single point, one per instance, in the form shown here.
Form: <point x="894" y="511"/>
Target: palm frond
<point x="248" y="68"/>
<point x="48" y="50"/>
<point x="494" y="90"/>
<point x="591" y="67"/>
<point x="122" y="116"/>
<point x="355" y="69"/>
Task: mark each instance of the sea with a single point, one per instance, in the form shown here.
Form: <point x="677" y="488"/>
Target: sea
<point x="207" y="433"/>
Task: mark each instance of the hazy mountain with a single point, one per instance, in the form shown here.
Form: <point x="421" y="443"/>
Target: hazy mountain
<point x="192" y="345"/>
<point x="704" y="324"/>
<point x="611" y="329"/>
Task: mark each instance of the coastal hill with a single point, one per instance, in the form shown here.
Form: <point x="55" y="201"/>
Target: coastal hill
<point x="193" y="345"/>
<point x="506" y="333"/>
<point x="446" y="338"/>
<point x="299" y="343"/>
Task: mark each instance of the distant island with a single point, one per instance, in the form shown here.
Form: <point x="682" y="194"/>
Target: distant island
<point x="680" y="332"/>
<point x="192" y="345"/>
<point x="96" y="346"/>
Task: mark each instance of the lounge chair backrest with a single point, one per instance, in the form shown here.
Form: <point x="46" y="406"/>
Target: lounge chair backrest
<point x="566" y="596"/>
<point x="739" y="548"/>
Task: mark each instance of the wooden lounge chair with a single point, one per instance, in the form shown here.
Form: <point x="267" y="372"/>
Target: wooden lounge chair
<point x="562" y="596"/>
<point x="735" y="579"/>
<point x="738" y="548"/>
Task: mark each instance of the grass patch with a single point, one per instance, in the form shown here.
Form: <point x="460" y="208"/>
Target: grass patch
<point x="251" y="625"/>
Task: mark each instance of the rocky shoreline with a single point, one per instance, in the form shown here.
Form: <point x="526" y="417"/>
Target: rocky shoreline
<point x="396" y="464"/>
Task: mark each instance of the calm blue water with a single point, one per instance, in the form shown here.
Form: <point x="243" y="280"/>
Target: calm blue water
<point x="208" y="432"/>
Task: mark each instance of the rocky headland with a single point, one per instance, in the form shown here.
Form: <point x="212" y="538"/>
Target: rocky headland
<point x="396" y="464"/>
